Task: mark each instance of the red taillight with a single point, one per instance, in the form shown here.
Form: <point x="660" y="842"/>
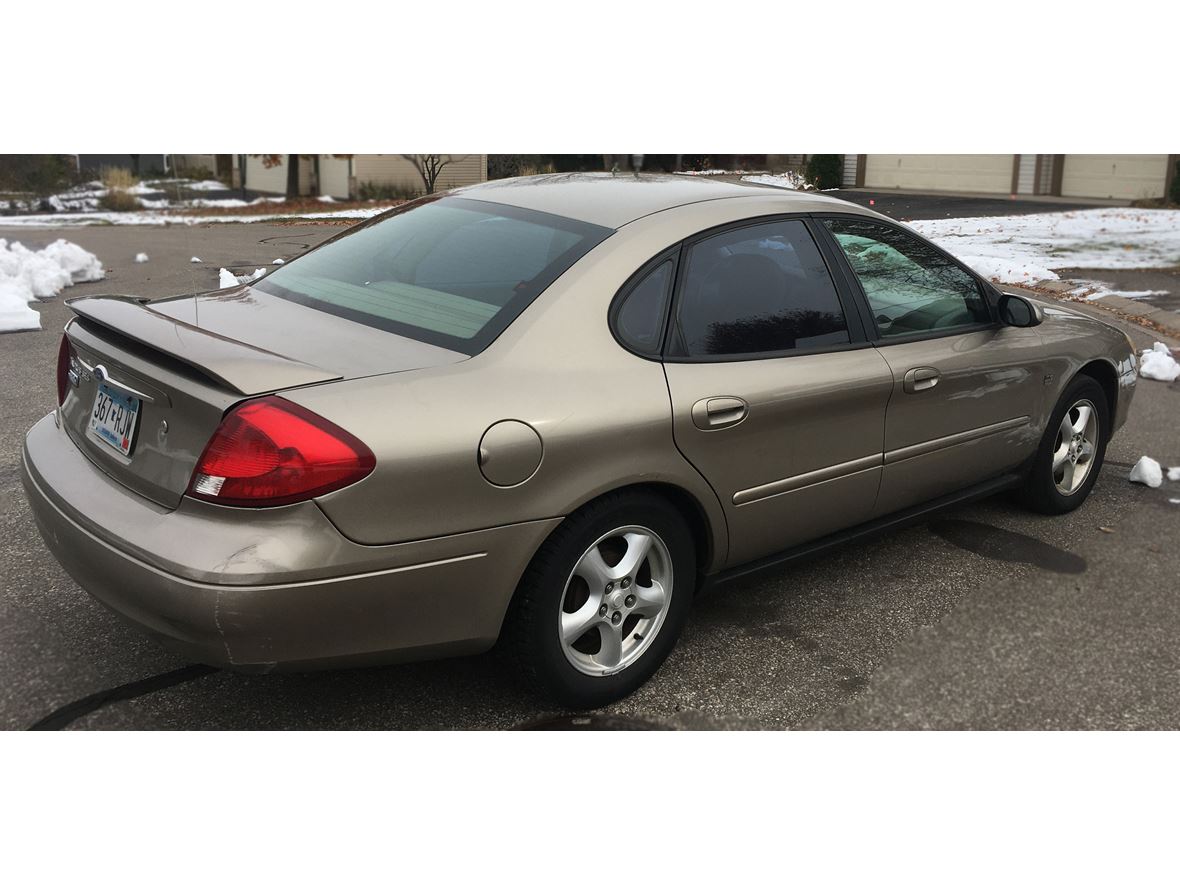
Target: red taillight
<point x="65" y="357"/>
<point x="270" y="451"/>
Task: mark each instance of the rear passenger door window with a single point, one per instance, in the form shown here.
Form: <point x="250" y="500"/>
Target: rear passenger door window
<point x="911" y="288"/>
<point x="755" y="291"/>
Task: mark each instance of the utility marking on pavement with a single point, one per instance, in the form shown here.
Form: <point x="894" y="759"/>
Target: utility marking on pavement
<point x="1005" y="546"/>
<point x="63" y="716"/>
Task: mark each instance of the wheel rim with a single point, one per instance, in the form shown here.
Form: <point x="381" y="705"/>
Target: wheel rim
<point x="615" y="601"/>
<point x="1075" y="447"/>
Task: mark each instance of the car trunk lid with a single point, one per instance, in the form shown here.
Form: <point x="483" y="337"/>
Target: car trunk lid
<point x="169" y="370"/>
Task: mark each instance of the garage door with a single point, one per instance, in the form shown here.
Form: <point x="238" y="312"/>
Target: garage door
<point x="1122" y="176"/>
<point x="976" y="173"/>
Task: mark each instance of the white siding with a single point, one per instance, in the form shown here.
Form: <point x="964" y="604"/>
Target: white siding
<point x="849" y="177"/>
<point x="396" y="169"/>
<point x="1121" y="176"/>
<point x="1027" y="176"/>
<point x="975" y="173"/>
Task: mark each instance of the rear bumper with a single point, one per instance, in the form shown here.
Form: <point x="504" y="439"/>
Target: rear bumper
<point x="267" y="589"/>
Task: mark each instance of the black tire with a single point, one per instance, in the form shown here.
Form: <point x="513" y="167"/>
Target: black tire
<point x="531" y="637"/>
<point x="1040" y="492"/>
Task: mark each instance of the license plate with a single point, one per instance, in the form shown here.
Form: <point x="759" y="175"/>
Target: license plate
<point x="112" y="420"/>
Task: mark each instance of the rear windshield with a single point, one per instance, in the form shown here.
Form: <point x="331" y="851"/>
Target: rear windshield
<point x="449" y="271"/>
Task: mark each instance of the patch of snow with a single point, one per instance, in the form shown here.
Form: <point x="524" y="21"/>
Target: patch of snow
<point x="326" y="198"/>
<point x="26" y="276"/>
<point x="722" y="172"/>
<point x="1174" y="474"/>
<point x="228" y="203"/>
<point x="1158" y="364"/>
<point x="226" y="279"/>
<point x="790" y="180"/>
<point x="1028" y="248"/>
<point x="258" y="272"/>
<point x="1174" y="500"/>
<point x="1122" y="293"/>
<point x="1147" y="471"/>
<point x="207" y="185"/>
<point x="194" y="260"/>
<point x="141" y="258"/>
<point x="278" y="261"/>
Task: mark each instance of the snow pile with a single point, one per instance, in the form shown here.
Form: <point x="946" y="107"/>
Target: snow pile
<point x="1159" y="364"/>
<point x="194" y="260"/>
<point x="226" y="278"/>
<point x="1029" y="248"/>
<point x="141" y="257"/>
<point x="790" y="180"/>
<point x="1147" y="471"/>
<point x="277" y="261"/>
<point x="1174" y="474"/>
<point x="26" y="276"/>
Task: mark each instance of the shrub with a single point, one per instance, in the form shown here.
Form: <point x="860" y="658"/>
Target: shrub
<point x="824" y="170"/>
<point x="117" y="178"/>
<point x="374" y="190"/>
<point x="37" y="174"/>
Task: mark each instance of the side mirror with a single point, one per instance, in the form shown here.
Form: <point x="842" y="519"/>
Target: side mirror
<point x="1019" y="312"/>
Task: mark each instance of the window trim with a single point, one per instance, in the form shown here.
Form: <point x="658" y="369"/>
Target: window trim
<point x="672" y="253"/>
<point x="874" y="332"/>
<point x="844" y="295"/>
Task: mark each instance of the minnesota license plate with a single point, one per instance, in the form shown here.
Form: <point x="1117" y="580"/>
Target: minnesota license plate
<point x="112" y="420"/>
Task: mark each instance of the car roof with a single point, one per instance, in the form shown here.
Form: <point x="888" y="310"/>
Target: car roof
<point x="614" y="199"/>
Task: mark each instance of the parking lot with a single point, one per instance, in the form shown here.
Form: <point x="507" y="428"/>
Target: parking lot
<point x="986" y="617"/>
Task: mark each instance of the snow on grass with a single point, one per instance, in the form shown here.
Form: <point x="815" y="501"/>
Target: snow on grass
<point x="790" y="180"/>
<point x="141" y="257"/>
<point x="1031" y="248"/>
<point x="720" y="172"/>
<point x="159" y="219"/>
<point x="208" y="185"/>
<point x="27" y="276"/>
<point x="1158" y="364"/>
<point x="1147" y="471"/>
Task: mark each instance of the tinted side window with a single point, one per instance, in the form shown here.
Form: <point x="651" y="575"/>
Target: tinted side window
<point x="761" y="289"/>
<point x="909" y="286"/>
<point x="640" y="320"/>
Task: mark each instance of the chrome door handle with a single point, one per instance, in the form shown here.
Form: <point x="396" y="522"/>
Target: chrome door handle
<point x="717" y="412"/>
<point x="921" y="378"/>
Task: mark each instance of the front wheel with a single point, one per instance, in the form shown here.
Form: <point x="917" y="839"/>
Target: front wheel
<point x="1071" y="453"/>
<point x="604" y="600"/>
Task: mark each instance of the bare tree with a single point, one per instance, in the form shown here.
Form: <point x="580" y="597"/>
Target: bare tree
<point x="429" y="166"/>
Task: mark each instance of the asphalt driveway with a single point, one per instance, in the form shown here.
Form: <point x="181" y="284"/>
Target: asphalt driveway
<point x="986" y="617"/>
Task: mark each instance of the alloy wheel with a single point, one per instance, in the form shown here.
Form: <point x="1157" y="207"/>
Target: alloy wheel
<point x="615" y="600"/>
<point x="1076" y="445"/>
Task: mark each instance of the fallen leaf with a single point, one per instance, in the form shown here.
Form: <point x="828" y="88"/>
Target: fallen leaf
<point x="1106" y="528"/>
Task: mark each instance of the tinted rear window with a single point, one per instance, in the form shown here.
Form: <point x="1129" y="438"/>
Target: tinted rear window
<point x="451" y="271"/>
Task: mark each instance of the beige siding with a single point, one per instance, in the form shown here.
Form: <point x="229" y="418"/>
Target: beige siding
<point x="397" y="170"/>
<point x="334" y="173"/>
<point x="274" y="179"/>
<point x="975" y="173"/>
<point x="1121" y="176"/>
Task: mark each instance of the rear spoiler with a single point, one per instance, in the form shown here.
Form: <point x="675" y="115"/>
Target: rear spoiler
<point x="241" y="367"/>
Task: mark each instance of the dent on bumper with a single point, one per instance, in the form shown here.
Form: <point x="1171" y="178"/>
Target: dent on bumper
<point x="268" y="588"/>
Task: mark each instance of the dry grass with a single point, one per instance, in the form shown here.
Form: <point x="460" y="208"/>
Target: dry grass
<point x="301" y="205"/>
<point x="543" y="169"/>
<point x="118" y="183"/>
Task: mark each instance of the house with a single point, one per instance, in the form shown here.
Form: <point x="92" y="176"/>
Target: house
<point x="343" y="176"/>
<point x="1102" y="176"/>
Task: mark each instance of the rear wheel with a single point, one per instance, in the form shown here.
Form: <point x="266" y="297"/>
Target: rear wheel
<point x="1071" y="453"/>
<point x="604" y="600"/>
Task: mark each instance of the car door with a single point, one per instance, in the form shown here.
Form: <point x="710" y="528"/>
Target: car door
<point x="777" y="398"/>
<point x="964" y="386"/>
